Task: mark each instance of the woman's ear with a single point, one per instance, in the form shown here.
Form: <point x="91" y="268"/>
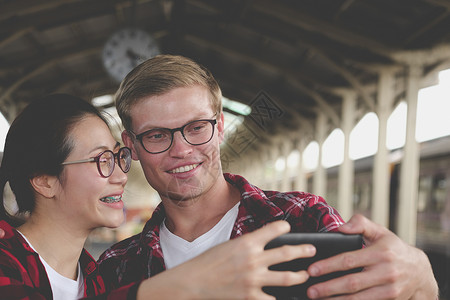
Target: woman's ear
<point x="44" y="185"/>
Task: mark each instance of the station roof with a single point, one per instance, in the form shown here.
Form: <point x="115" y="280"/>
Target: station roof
<point x="299" y="57"/>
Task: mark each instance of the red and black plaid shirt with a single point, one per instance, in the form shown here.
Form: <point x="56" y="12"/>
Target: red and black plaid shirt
<point x="140" y="256"/>
<point x="23" y="276"/>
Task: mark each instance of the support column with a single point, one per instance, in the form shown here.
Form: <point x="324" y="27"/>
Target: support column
<point x="346" y="169"/>
<point x="381" y="175"/>
<point x="247" y="170"/>
<point x="259" y="168"/>
<point x="301" y="183"/>
<point x="320" y="180"/>
<point x="266" y="177"/>
<point x="286" y="176"/>
<point x="409" y="171"/>
<point x="273" y="176"/>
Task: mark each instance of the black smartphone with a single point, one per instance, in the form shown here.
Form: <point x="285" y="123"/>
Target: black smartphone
<point x="327" y="245"/>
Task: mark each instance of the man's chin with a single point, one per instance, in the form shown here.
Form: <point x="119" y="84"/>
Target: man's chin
<point x="185" y="195"/>
<point x="182" y="190"/>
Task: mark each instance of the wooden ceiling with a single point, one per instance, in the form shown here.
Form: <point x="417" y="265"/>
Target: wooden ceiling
<point x="297" y="55"/>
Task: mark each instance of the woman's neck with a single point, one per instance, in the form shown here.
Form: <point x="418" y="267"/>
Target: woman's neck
<point x="59" y="246"/>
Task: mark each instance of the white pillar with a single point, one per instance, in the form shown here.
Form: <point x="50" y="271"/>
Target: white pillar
<point x="273" y="175"/>
<point x="381" y="175"/>
<point x="320" y="180"/>
<point x="346" y="169"/>
<point x="266" y="171"/>
<point x="259" y="167"/>
<point x="248" y="166"/>
<point x="409" y="171"/>
<point x="286" y="176"/>
<point x="301" y="183"/>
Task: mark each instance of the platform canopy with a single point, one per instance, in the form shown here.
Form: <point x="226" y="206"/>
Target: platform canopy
<point x="286" y="59"/>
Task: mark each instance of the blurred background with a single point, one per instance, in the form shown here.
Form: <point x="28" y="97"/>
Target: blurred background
<point x="347" y="99"/>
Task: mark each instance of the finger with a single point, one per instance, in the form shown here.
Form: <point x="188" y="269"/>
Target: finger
<point x="375" y="293"/>
<point x="260" y="295"/>
<point x="359" y="224"/>
<point x="268" y="232"/>
<point x="349" y="284"/>
<point x="355" y="225"/>
<point x="284" y="278"/>
<point x="341" y="262"/>
<point x="362" y="258"/>
<point x="345" y="284"/>
<point x="287" y="253"/>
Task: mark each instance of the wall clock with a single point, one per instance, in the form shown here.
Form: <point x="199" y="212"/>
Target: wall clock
<point x="126" y="49"/>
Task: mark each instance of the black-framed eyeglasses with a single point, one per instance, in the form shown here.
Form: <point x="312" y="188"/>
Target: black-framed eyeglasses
<point x="158" y="140"/>
<point x="106" y="161"/>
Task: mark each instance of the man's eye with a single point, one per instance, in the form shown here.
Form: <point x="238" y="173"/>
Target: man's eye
<point x="196" y="127"/>
<point x="156" y="136"/>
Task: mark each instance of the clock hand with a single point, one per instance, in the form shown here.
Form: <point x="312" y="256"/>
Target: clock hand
<point x="133" y="56"/>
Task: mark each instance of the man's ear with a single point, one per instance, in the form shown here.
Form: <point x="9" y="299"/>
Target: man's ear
<point x="220" y="128"/>
<point x="128" y="140"/>
<point x="44" y="185"/>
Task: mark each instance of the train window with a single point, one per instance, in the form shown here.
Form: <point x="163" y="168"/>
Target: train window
<point x="432" y="193"/>
<point x="425" y="186"/>
<point x="433" y="212"/>
<point x="363" y="193"/>
<point x="438" y="193"/>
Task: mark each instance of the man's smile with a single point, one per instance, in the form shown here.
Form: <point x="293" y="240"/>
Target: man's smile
<point x="183" y="169"/>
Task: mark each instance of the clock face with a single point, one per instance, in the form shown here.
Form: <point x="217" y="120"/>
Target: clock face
<point x="126" y="49"/>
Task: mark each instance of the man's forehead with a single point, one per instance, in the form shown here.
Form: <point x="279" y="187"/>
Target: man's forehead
<point x="148" y="115"/>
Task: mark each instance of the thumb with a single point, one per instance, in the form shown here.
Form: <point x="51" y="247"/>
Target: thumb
<point x="359" y="224"/>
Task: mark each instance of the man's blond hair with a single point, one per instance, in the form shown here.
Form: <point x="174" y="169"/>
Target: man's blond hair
<point x="160" y="75"/>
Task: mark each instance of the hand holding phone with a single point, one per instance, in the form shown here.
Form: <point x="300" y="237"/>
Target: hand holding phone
<point x="327" y="245"/>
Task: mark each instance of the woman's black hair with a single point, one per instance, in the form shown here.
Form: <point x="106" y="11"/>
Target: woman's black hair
<point x="37" y="142"/>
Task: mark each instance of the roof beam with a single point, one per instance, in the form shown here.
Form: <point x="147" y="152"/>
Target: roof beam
<point x="353" y="81"/>
<point x="443" y="3"/>
<point x="42" y="68"/>
<point x="427" y="27"/>
<point x="292" y="77"/>
<point x="342" y="70"/>
<point x="328" y="29"/>
<point x="15" y="35"/>
<point x="12" y="8"/>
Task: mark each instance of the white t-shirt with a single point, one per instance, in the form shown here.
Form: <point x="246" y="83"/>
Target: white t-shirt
<point x="63" y="288"/>
<point x="177" y="250"/>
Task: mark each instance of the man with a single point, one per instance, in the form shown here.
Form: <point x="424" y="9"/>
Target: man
<point x="172" y="113"/>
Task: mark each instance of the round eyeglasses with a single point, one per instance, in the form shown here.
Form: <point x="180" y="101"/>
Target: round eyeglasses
<point x="106" y="161"/>
<point x="158" y="140"/>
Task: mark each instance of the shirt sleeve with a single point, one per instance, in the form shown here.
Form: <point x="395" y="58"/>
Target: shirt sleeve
<point x="128" y="292"/>
<point x="310" y="213"/>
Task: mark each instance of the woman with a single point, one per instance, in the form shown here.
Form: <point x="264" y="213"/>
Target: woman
<point x="67" y="173"/>
<point x="59" y="160"/>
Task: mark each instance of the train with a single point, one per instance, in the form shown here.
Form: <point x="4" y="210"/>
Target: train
<point x="433" y="201"/>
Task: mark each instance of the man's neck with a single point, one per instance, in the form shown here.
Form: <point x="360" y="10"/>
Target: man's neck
<point x="195" y="217"/>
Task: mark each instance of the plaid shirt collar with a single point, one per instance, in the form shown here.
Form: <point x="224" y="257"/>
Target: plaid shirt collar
<point x="141" y="256"/>
<point x="255" y="211"/>
<point x="15" y="243"/>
